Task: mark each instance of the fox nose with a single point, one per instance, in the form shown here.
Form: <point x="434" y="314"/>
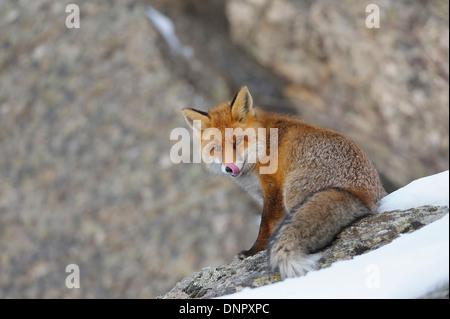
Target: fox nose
<point x="232" y="169"/>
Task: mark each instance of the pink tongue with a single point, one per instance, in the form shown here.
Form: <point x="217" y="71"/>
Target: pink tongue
<point x="234" y="168"/>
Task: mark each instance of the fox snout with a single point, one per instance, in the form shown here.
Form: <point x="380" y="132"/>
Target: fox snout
<point x="231" y="169"/>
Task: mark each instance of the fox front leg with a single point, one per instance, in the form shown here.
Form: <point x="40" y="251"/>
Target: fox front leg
<point x="273" y="212"/>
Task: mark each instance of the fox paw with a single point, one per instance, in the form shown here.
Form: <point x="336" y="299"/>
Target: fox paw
<point x="244" y="254"/>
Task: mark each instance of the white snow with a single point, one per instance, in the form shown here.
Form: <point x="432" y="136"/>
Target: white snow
<point x="431" y="190"/>
<point x="167" y="30"/>
<point x="408" y="267"/>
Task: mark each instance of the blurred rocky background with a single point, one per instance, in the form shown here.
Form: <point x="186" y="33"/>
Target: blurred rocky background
<point x="86" y="116"/>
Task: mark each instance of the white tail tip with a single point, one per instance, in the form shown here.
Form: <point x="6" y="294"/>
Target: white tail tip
<point x="293" y="263"/>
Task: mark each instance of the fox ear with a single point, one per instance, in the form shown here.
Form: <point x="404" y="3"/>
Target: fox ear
<point x="191" y="115"/>
<point x="242" y="105"/>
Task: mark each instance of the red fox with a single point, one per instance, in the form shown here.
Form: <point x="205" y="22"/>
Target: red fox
<point x="322" y="181"/>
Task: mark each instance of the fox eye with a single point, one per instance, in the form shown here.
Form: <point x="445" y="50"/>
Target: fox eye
<point x="238" y="141"/>
<point x="217" y="148"/>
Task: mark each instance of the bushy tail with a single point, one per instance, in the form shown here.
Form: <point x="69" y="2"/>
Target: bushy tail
<point x="310" y="226"/>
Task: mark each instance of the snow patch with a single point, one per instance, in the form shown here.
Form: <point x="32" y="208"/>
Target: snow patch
<point x="166" y="28"/>
<point x="430" y="190"/>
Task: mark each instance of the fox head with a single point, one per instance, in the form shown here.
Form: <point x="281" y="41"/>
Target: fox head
<point x="229" y="135"/>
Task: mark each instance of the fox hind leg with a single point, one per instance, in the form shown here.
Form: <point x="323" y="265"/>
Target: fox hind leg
<point x="310" y="226"/>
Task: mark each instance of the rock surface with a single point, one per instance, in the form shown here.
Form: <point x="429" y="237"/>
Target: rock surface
<point x="364" y="235"/>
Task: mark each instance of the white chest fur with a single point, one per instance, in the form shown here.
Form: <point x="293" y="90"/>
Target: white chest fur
<point x="252" y="185"/>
